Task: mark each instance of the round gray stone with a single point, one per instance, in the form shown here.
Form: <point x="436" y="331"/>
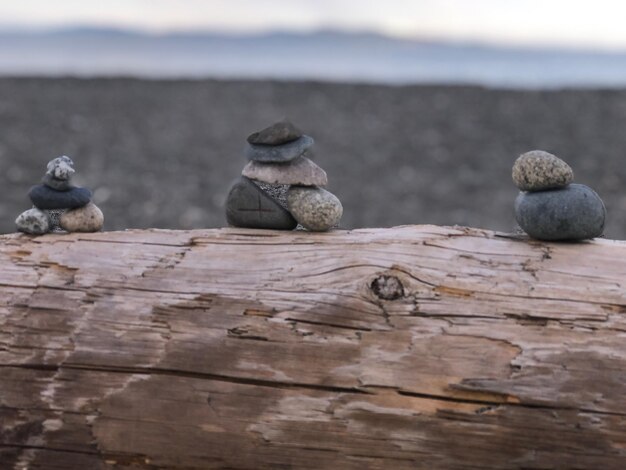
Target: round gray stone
<point x="538" y="170"/>
<point x="44" y="197"/>
<point x="301" y="172"/>
<point x="249" y="206"/>
<point x="33" y="221"/>
<point x="276" y="134"/>
<point x="279" y="153"/>
<point x="575" y="212"/>
<point x="56" y="183"/>
<point x="314" y="208"/>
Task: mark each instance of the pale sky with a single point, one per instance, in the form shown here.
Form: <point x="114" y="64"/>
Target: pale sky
<point x="598" y="23"/>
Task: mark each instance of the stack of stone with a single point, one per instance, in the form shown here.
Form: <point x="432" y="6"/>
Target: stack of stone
<point x="60" y="206"/>
<point x="280" y="187"/>
<point x="549" y="206"/>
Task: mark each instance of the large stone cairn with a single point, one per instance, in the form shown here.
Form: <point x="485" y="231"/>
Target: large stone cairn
<point x="550" y="207"/>
<point x="280" y="188"/>
<point x="58" y="205"/>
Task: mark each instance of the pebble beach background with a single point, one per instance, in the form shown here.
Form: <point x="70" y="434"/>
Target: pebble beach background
<point x="163" y="153"/>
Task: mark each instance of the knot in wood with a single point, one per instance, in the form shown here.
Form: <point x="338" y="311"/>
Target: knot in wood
<point x="387" y="287"/>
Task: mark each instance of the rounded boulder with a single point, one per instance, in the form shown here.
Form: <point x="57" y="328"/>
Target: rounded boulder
<point x="315" y="209"/>
<point x="88" y="218"/>
<point x="575" y="212"/>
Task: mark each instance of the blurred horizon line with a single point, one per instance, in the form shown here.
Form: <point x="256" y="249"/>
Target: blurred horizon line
<point x="135" y="30"/>
<point x="329" y="54"/>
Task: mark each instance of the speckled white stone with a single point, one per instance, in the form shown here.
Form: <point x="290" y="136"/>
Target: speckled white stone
<point x="60" y="168"/>
<point x="33" y="221"/>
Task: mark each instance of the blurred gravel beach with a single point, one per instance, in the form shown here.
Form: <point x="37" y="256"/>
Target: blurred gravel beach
<point x="163" y="153"/>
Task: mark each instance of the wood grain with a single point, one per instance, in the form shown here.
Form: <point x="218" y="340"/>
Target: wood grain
<point x="416" y="347"/>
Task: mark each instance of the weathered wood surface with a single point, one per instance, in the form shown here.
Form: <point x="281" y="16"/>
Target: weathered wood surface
<point x="416" y="347"/>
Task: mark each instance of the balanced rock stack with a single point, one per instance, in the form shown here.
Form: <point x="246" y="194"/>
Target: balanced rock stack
<point x="280" y="187"/>
<point x="550" y="207"/>
<point x="60" y="206"/>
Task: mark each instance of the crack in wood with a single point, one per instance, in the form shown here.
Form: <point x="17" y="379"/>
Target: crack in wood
<point x="148" y="371"/>
<point x="507" y="400"/>
<point x="46" y="448"/>
<point x="331" y="325"/>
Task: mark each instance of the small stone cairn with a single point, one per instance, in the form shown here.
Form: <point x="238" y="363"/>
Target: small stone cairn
<point x="550" y="207"/>
<point x="280" y="188"/>
<point x="58" y="205"/>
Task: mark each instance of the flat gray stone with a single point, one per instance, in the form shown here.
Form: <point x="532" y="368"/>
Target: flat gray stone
<point x="248" y="206"/>
<point x="575" y="212"/>
<point x="33" y="221"/>
<point x="279" y="153"/>
<point x="276" y="134"/>
<point x="538" y="170"/>
<point x="315" y="209"/>
<point x="45" y="197"/>
<point x="301" y="172"/>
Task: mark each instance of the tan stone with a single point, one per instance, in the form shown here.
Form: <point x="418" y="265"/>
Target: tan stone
<point x="315" y="209"/>
<point x="538" y="170"/>
<point x="88" y="218"/>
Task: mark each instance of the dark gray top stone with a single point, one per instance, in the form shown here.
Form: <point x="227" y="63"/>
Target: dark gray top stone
<point x="276" y="134"/>
<point x="44" y="197"/>
<point x="248" y="206"/>
<point x="575" y="212"/>
<point x="279" y="153"/>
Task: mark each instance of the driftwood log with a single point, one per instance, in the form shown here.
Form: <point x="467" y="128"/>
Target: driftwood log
<point x="415" y="347"/>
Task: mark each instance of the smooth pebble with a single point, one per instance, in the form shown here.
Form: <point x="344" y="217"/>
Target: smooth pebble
<point x="279" y="153"/>
<point x="248" y="206"/>
<point x="538" y="170"/>
<point x="88" y="218"/>
<point x="276" y="134"/>
<point x="575" y="212"/>
<point x="315" y="209"/>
